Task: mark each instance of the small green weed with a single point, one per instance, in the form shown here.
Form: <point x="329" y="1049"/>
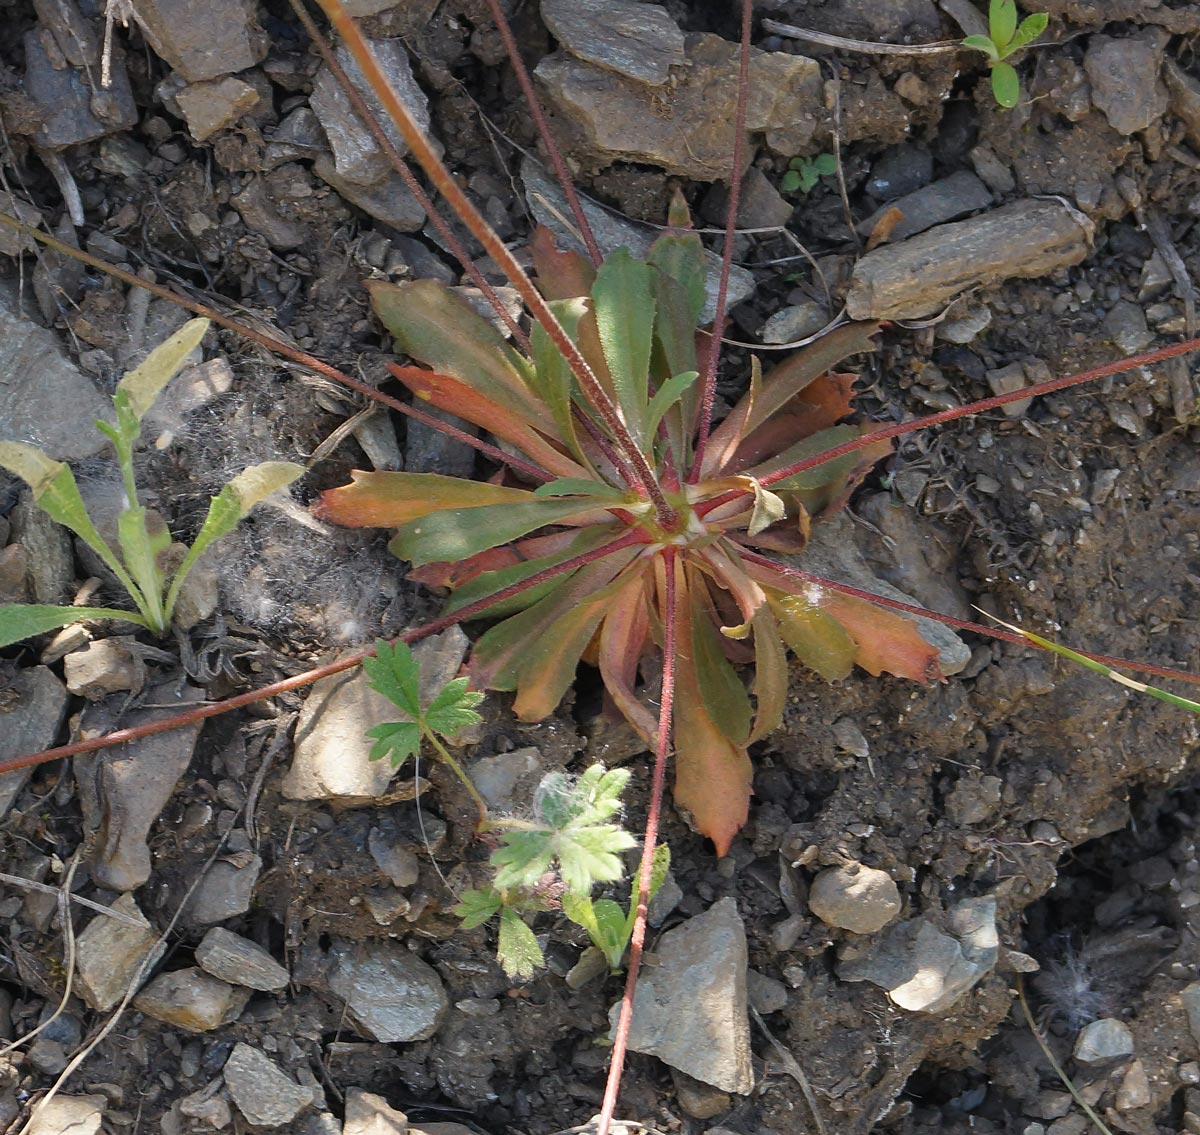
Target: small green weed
<point x="804" y="173"/>
<point x="1005" y="36"/>
<point x="569" y="846"/>
<point x="150" y="566"/>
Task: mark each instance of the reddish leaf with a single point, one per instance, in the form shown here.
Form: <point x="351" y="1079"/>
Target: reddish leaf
<point x="387" y="500"/>
<point x="459" y="572"/>
<point x="815" y="637"/>
<point x="824" y="403"/>
<point x="623" y="639"/>
<point x="448" y="393"/>
<point x="883" y="639"/>
<point x="770" y="674"/>
<point x="562" y="275"/>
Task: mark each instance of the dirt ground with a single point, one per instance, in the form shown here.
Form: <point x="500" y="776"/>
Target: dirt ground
<point x="1070" y="800"/>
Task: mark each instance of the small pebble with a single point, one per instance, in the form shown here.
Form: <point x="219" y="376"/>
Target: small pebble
<point x="854" y="897"/>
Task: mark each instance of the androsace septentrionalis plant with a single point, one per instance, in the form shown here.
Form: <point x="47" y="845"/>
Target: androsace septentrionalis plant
<point x="625" y="523"/>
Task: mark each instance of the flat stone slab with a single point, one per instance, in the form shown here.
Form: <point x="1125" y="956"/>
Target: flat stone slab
<point x="637" y="40"/>
<point x="919" y="276"/>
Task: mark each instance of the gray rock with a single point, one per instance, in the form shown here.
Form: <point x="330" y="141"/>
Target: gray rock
<point x="103" y="667"/>
<point x="899" y="171"/>
<point x="1103" y="1040"/>
<point x="690" y="1007"/>
<point x="109" y="953"/>
<point x="697" y="1099"/>
<point x="429" y="450"/>
<point x="256" y="208"/>
<point x="1185" y="98"/>
<point x="389" y="200"/>
<point x="57" y="411"/>
<point x="920" y="275"/>
<point x="226" y="890"/>
<point x="1007" y="380"/>
<point x="996" y="175"/>
<point x="637" y="40"/>
<point x="1134" y="1089"/>
<point x="765" y="993"/>
<point x="124" y="789"/>
<point x="68" y="1115"/>
<point x="507" y="781"/>
<point x="208" y="1108"/>
<point x="399" y="864"/>
<point x="761" y="205"/>
<point x="849" y="738"/>
<point x="964" y="327"/>
<point x="369" y="1114"/>
<point x="191" y="999"/>
<point x="49" y="558"/>
<point x="211" y="106"/>
<point x="332" y="750"/>
<point x="203" y="41"/>
<point x="1124" y="74"/>
<point x="926" y="971"/>
<point x="548" y="206"/>
<point x="266" y="1096"/>
<point x="974" y="799"/>
<point x="1190" y="996"/>
<point x="946" y="200"/>
<point x="832" y="553"/>
<point x="691" y="134"/>
<point x="854" y="897"/>
<point x="71" y="108"/>
<point x="13" y="243"/>
<point x="1126" y="326"/>
<point x="790" y="324"/>
<point x="390" y="994"/>
<point x="237" y="960"/>
<point x="29" y="720"/>
<point x="356" y="155"/>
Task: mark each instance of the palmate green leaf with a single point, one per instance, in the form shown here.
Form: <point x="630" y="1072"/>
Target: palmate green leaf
<point x="516" y="947"/>
<point x="456" y="533"/>
<point x="396" y="674"/>
<point x="19" y="621"/>
<point x="453" y="710"/>
<point x="476" y="907"/>
<point x="523" y="858"/>
<point x="398" y="739"/>
<point x="590" y="855"/>
<point x="623" y="304"/>
<point x="593" y="798"/>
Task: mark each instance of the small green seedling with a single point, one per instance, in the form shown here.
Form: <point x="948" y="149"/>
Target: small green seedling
<point x="1005" y="36"/>
<point x="150" y="566"/>
<point x="571" y="845"/>
<point x="803" y="173"/>
<point x="396" y="674"/>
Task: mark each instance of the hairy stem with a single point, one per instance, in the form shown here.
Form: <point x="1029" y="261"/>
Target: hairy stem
<point x="662" y="748"/>
<point x="276" y="347"/>
<point x="709" y="389"/>
<point x="297" y="681"/>
<point x="442" y="179"/>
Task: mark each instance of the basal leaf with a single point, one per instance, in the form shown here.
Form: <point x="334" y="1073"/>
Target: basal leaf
<point x="815" y="637"/>
<point x="667" y="395"/>
<point x="610" y="933"/>
<point x="623" y="304"/>
<point x="142" y="385"/>
<point x="623" y="640"/>
<point x="679" y="257"/>
<point x="516" y="947"/>
<point x="584" y="487"/>
<point x="884" y="641"/>
<point x="456" y="533"/>
<point x="144" y="538"/>
<point x="387" y="500"/>
<point x="552" y="376"/>
<point x="768" y="509"/>
<point x="438" y="327"/>
<point x="723" y="695"/>
<point x="770" y="674"/>
<point x="982" y="43"/>
<point x="20" y="621"/>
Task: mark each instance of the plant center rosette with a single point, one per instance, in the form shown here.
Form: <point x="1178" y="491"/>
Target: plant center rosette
<point x="566" y="550"/>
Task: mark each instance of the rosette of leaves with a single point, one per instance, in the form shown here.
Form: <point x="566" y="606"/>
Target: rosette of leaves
<point x="577" y="499"/>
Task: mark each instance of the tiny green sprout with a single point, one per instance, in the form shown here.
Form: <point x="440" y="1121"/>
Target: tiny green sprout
<point x="804" y="173"/>
<point x="1005" y="36"/>
<point x="395" y="673"/>
<point x="150" y="567"/>
<point x="569" y="846"/>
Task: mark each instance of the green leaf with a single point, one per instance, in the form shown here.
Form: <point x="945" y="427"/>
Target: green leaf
<point x="144" y="538"/>
<point x="790" y="181"/>
<point x="724" y="696"/>
<point x="227" y="509"/>
<point x="582" y="487"/>
<point x="1002" y="23"/>
<point x="400" y="739"/>
<point x="523" y="858"/>
<point x="579" y="909"/>
<point x="825" y="164"/>
<point x="20" y="621"/>
<point x="808" y="176"/>
<point x="552" y="377"/>
<point x="666" y="396"/>
<point x="396" y="674"/>
<point x="593" y="798"/>
<point x="476" y="907"/>
<point x="610" y="931"/>
<point x="623" y="304"/>
<point x="456" y="533"/>
<point x="1031" y="27"/>
<point x="660" y="864"/>
<point x="142" y="385"/>
<point x="590" y="855"/>
<point x="1005" y="85"/>
<point x="818" y="640"/>
<point x="984" y="44"/>
<point x="453" y="710"/>
<point x="516" y="947"/>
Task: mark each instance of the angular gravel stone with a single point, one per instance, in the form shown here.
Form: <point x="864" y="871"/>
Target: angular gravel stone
<point x="1124" y="77"/>
<point x="192" y="999"/>
<point x="203" y="41"/>
<point x="369" y="1114"/>
<point x="390" y="994"/>
<point x="29" y="721"/>
<point x="226" y="891"/>
<point x="209" y="107"/>
<point x="237" y="960"/>
<point x="919" y="276"/>
<point x="690" y="1007"/>
<point x="637" y="40"/>
<point x="854" y="897"/>
<point x="108" y="953"/>
<point x="69" y="1115"/>
<point x="266" y="1096"/>
<point x="1103" y="1040"/>
<point x="946" y="200"/>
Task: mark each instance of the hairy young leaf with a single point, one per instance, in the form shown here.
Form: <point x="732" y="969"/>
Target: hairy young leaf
<point x="516" y="946"/>
<point x="623" y="302"/>
<point x="476" y="907"/>
<point x="1031" y="27"/>
<point x="142" y="385"/>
